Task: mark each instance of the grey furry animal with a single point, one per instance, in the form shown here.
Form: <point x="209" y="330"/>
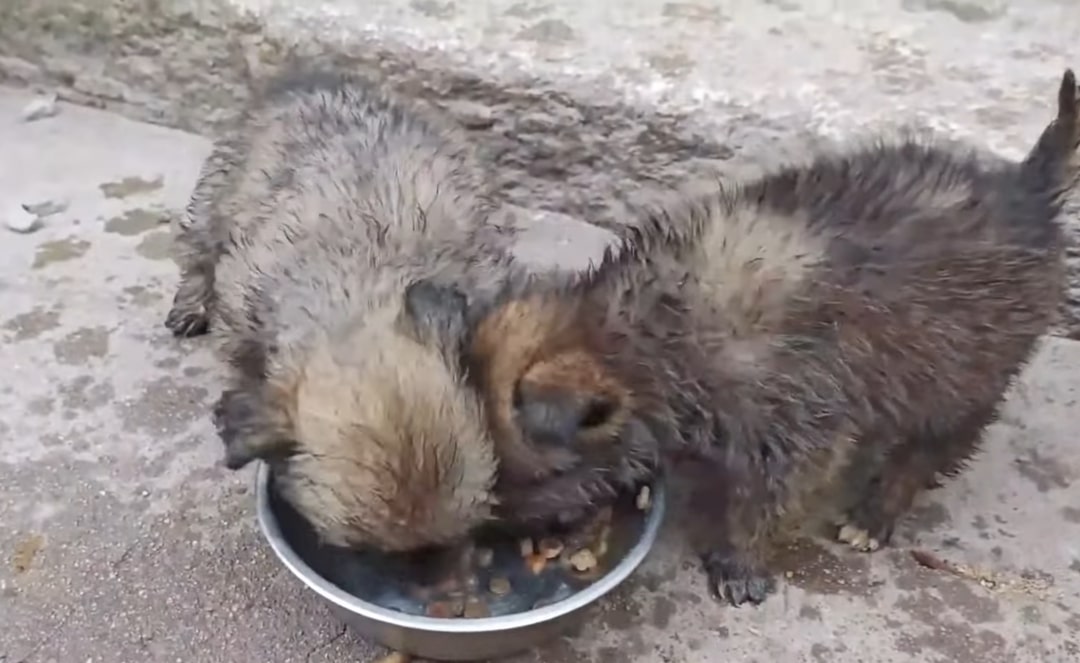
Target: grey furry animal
<point x="830" y="336"/>
<point x="328" y="247"/>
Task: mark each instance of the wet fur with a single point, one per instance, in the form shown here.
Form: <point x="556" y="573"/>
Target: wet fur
<point x="327" y="248"/>
<point x="833" y="335"/>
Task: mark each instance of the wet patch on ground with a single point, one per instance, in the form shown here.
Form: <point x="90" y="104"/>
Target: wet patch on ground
<point x="60" y="250"/>
<point x="131" y="186"/>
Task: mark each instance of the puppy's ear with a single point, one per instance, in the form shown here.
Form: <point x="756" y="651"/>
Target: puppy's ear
<point x="252" y="426"/>
<point x="434" y="314"/>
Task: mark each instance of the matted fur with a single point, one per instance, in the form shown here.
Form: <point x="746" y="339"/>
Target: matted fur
<point x="841" y="330"/>
<point x="325" y="246"/>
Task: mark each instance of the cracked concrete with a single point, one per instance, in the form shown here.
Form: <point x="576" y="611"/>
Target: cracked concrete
<point x="122" y="541"/>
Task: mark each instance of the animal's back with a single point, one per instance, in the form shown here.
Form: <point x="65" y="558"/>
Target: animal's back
<point x="342" y="195"/>
<point x="902" y="283"/>
<point x="939" y="271"/>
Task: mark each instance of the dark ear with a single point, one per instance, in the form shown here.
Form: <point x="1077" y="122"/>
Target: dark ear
<point x="435" y="314"/>
<point x="250" y="427"/>
<point x="558" y="416"/>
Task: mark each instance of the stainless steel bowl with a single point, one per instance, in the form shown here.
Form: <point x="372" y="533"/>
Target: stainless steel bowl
<point x="456" y="639"/>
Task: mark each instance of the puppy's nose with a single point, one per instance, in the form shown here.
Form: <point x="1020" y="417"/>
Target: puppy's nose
<point x="548" y="422"/>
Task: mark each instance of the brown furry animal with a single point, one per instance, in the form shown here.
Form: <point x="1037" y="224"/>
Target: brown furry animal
<point x="325" y="247"/>
<point x="844" y="329"/>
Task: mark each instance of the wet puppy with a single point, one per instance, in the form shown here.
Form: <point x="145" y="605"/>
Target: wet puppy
<point x="842" y="330"/>
<point x="327" y="248"/>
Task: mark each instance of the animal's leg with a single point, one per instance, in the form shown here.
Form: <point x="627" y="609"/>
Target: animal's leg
<point x="198" y="241"/>
<point x="732" y="541"/>
<point x="910" y="468"/>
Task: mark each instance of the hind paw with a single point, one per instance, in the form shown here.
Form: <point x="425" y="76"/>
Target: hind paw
<point x="736" y="583"/>
<point x="866" y="530"/>
<point x="859" y="539"/>
<point x="186" y="323"/>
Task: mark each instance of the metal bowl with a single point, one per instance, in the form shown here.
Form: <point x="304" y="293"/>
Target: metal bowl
<point x="455" y="639"/>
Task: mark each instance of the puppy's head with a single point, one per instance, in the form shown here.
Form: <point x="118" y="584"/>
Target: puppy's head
<point x="372" y="433"/>
<point x="568" y="419"/>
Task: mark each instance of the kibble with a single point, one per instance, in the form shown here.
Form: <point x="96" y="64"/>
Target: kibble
<point x="484" y="557"/>
<point x="476" y="608"/>
<point x="536" y="564"/>
<point x="550" y="548"/>
<point x="444" y="609"/>
<point x="583" y="560"/>
<point x="644" y="499"/>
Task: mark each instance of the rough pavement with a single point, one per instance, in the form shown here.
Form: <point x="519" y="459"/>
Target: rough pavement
<point x="120" y="539"/>
<point x="123" y="541"/>
<point x="578" y="102"/>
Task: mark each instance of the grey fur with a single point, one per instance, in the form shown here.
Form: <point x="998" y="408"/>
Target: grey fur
<point x="328" y="247"/>
<point x="833" y="335"/>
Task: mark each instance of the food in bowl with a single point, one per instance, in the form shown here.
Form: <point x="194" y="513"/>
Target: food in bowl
<point x="496" y="574"/>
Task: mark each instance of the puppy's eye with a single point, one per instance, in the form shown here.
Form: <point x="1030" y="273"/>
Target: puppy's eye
<point x="597" y="413"/>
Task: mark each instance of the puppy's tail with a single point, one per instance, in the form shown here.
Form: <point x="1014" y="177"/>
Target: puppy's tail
<point x="1051" y="167"/>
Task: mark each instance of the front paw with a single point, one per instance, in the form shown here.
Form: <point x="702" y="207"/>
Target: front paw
<point x="187" y="323"/>
<point x="236" y="419"/>
<point x="734" y="581"/>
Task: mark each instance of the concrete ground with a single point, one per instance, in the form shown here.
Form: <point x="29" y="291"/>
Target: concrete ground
<point x="122" y="541"/>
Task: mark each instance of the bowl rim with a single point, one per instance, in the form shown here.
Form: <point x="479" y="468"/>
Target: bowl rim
<point x="331" y="592"/>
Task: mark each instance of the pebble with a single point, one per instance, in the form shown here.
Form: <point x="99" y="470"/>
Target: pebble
<point x="40" y="108"/>
<point x="46" y="207"/>
<point x="17" y="219"/>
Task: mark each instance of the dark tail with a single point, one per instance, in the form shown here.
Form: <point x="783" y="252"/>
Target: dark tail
<point x="1051" y="166"/>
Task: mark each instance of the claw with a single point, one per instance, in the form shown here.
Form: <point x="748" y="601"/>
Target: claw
<point x="857" y="538"/>
<point x="187" y="324"/>
<point x="736" y="583"/>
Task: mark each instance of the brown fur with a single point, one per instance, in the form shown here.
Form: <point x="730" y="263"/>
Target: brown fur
<point x="325" y="247"/>
<point x="845" y="328"/>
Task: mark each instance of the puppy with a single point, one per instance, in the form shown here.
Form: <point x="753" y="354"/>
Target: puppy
<point x="327" y="247"/>
<point x="831" y="335"/>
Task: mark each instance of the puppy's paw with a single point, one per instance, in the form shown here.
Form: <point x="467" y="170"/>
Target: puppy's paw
<point x="857" y="538"/>
<point x="246" y="428"/>
<point x="736" y="582"/>
<point x="186" y="323"/>
<point x="866" y="528"/>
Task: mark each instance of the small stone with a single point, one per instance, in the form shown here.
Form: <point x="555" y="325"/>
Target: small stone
<point x="46" y="207"/>
<point x="499" y="586"/>
<point x="471" y="114"/>
<point x="40" y="108"/>
<point x="17" y="219"/>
